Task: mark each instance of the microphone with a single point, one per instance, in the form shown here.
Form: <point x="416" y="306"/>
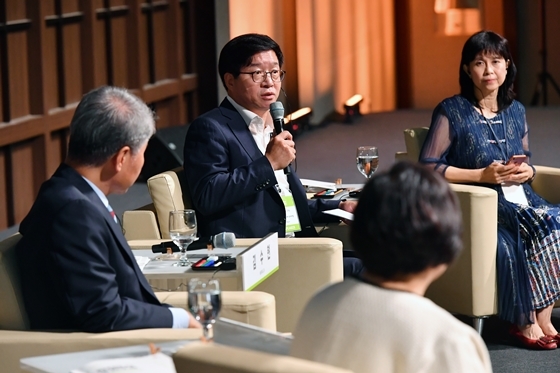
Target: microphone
<point x="277" y="113"/>
<point x="222" y="240"/>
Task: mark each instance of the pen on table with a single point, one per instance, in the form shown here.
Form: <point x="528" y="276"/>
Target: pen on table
<point x="339" y="191"/>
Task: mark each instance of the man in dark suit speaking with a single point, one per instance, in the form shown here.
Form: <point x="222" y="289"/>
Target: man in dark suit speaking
<point x="77" y="270"/>
<point x="233" y="163"/>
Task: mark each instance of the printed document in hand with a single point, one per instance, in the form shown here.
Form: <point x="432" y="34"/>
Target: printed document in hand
<point x="340" y="213"/>
<point x="157" y="362"/>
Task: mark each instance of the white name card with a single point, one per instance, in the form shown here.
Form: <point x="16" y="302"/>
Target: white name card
<point x="259" y="261"/>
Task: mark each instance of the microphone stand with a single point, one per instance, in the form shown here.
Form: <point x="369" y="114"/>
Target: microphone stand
<point x="544" y="76"/>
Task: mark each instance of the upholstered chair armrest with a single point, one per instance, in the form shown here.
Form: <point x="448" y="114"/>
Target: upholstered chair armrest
<point x="214" y="358"/>
<point x="547" y="183"/>
<point x="16" y="345"/>
<point x="401" y="156"/>
<point x="305" y="266"/>
<point x="140" y="225"/>
<point x="144" y="244"/>
<point x="469" y="285"/>
<point x="252" y="307"/>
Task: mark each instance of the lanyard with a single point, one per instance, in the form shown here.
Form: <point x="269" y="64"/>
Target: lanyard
<point x="504" y="153"/>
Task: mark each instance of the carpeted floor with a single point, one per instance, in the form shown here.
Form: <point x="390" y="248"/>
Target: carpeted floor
<point x="327" y="153"/>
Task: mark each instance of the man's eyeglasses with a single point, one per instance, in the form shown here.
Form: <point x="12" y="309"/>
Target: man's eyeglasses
<point x="260" y="76"/>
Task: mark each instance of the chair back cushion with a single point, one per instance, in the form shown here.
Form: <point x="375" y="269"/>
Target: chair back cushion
<point x="169" y="192"/>
<point x="414" y="139"/>
<point x="12" y="311"/>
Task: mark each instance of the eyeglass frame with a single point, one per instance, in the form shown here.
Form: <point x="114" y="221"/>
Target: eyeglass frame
<point x="281" y="76"/>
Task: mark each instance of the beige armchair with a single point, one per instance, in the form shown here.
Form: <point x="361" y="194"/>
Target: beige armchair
<point x="16" y="341"/>
<point x="169" y="192"/>
<point x="469" y="285"/>
<point x="292" y="285"/>
<point x="215" y="358"/>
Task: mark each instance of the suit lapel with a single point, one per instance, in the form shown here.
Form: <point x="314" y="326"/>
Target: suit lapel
<point x="125" y="249"/>
<point x="239" y="129"/>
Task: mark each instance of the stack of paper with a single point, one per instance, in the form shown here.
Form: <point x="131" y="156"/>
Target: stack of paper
<point x="317" y="184"/>
<point x="157" y="362"/>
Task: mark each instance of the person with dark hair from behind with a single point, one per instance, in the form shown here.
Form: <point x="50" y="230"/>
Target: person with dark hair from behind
<point x="76" y="268"/>
<point x="233" y="163"/>
<point x="471" y="140"/>
<point x="407" y="230"/>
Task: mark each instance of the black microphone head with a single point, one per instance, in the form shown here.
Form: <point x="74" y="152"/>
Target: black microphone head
<point x="223" y="240"/>
<point x="277" y="110"/>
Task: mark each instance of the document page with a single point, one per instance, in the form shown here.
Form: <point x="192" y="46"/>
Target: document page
<point x="340" y="213"/>
<point x="157" y="362"/>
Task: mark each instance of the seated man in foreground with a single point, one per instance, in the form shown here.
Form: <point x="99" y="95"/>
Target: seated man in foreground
<point x="77" y="270"/>
<point x="407" y="230"/>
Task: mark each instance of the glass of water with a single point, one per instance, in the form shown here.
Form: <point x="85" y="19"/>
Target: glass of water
<point x="205" y="303"/>
<point x="182" y="230"/>
<point x="367" y="160"/>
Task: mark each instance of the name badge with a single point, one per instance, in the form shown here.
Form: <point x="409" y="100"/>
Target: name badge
<point x="514" y="193"/>
<point x="292" y="218"/>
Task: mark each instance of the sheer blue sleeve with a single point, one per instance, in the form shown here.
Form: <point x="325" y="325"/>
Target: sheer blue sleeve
<point x="438" y="141"/>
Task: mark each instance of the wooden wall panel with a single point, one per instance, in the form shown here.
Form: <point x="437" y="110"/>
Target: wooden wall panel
<point x="57" y="149"/>
<point x="49" y="58"/>
<point x="26" y="175"/>
<point x="160" y="22"/>
<point x="2" y="82"/>
<point x="37" y="66"/>
<point x="72" y="63"/>
<point x="120" y="55"/>
<point x="164" y="113"/>
<point x="93" y="46"/>
<point x="19" y="82"/>
<point x="186" y="14"/>
<point x="4" y="205"/>
<point x="64" y="48"/>
<point x="140" y="37"/>
<point x="69" y="6"/>
<point x="49" y="65"/>
<point x="16" y="10"/>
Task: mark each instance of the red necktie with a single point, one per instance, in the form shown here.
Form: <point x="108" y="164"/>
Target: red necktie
<point x="113" y="215"/>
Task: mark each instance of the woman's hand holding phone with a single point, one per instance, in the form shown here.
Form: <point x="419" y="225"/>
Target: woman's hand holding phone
<point x="517" y="159"/>
<point x="523" y="173"/>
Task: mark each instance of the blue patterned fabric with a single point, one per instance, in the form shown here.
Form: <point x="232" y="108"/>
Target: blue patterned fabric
<point x="528" y="253"/>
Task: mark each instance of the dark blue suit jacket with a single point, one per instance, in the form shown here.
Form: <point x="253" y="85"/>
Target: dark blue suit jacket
<point x="76" y="268"/>
<point x="232" y="183"/>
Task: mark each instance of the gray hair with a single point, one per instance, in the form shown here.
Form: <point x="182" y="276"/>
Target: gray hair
<point x="107" y="119"/>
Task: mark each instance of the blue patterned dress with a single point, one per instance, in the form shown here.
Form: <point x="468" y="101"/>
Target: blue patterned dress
<point x="528" y="255"/>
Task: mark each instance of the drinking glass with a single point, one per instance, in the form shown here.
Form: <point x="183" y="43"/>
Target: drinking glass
<point x="182" y="230"/>
<point x="367" y="160"/>
<point x="205" y="303"/>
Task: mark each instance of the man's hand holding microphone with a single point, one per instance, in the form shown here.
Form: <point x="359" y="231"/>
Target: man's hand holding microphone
<point x="281" y="149"/>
